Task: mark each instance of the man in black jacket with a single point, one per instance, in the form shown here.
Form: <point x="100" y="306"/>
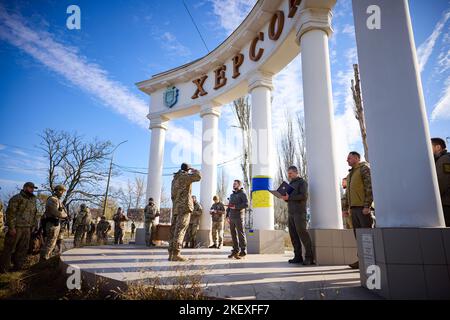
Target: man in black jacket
<point x="298" y="232"/>
<point x="237" y="204"/>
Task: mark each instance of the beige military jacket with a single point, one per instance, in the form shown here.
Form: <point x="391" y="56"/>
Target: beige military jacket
<point x="182" y="191"/>
<point x="54" y="208"/>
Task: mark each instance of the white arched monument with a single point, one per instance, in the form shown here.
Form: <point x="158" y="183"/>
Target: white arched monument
<point x="410" y="248"/>
<point x="273" y="34"/>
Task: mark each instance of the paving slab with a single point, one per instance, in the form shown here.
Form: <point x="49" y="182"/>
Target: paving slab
<point x="257" y="276"/>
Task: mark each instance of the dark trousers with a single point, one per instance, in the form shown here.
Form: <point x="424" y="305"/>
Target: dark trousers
<point x="118" y="236"/>
<point x="299" y="234"/>
<point x="360" y="220"/>
<point x="446" y="215"/>
<point x="238" y="233"/>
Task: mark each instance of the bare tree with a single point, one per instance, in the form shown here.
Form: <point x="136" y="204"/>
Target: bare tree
<point x="78" y="165"/>
<point x="166" y="201"/>
<point x="359" y="109"/>
<point x="287" y="156"/>
<point x="242" y="112"/>
<point x="301" y="147"/>
<point x="125" y="197"/>
<point x="222" y="184"/>
<point x="139" y="192"/>
<point x="287" y="150"/>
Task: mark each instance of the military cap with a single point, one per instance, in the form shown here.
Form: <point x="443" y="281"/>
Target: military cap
<point x="185" y="166"/>
<point x="29" y="185"/>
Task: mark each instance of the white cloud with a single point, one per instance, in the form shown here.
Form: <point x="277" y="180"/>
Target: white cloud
<point x="287" y="94"/>
<point x="232" y="12"/>
<point x="426" y="49"/>
<point x="67" y="62"/>
<point x="349" y="29"/>
<point x="442" y="109"/>
<point x="170" y="43"/>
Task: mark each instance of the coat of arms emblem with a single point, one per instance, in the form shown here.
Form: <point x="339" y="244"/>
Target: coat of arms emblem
<point x="171" y="96"/>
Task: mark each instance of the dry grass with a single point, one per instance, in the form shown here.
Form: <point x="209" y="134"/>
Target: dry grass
<point x="183" y="286"/>
<point x="46" y="281"/>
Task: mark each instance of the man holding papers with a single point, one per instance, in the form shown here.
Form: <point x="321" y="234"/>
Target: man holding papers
<point x="296" y="200"/>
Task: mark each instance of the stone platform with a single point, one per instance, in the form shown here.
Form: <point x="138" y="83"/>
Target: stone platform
<point x="257" y="276"/>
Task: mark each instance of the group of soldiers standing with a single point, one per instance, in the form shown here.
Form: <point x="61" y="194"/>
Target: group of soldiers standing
<point x="22" y="224"/>
<point x="22" y="221"/>
<point x="357" y="203"/>
<point x="85" y="227"/>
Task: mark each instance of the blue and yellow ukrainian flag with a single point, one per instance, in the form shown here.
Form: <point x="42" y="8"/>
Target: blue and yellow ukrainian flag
<point x="261" y="197"/>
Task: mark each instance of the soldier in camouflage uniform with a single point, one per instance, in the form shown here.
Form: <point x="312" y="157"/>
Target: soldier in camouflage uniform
<point x="194" y="224"/>
<point x="54" y="216"/>
<point x="20" y="220"/>
<point x="182" y="207"/>
<point x="358" y="199"/>
<point x="103" y="227"/>
<point x="150" y="214"/>
<point x="119" y="226"/>
<point x="91" y="231"/>
<point x="217" y="215"/>
<point x="82" y="224"/>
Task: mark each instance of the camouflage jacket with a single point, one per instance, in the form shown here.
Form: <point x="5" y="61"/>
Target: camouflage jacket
<point x="443" y="175"/>
<point x="21" y="211"/>
<point x="54" y="209"/>
<point x="83" y="218"/>
<point x="182" y="191"/>
<point x="103" y="227"/>
<point x="196" y="214"/>
<point x="150" y="212"/>
<point x="119" y="221"/>
<point x="217" y="212"/>
<point x="359" y="187"/>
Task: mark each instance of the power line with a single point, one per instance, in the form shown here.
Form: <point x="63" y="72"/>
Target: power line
<point x="129" y="169"/>
<point x="198" y="31"/>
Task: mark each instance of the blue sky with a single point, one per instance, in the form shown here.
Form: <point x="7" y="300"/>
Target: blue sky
<point x="83" y="80"/>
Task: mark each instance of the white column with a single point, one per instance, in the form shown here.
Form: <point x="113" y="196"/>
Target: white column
<point x="315" y="28"/>
<point x="208" y="185"/>
<point x="260" y="88"/>
<point x="158" y="127"/>
<point x="403" y="175"/>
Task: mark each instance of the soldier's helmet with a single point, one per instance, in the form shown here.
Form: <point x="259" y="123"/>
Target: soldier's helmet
<point x="83" y="206"/>
<point x="59" y="187"/>
<point x="103" y="218"/>
<point x="215" y="198"/>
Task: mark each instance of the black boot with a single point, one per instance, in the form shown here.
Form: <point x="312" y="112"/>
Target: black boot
<point x="213" y="246"/>
<point x="296" y="260"/>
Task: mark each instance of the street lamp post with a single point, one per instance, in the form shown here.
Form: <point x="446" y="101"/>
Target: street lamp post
<point x="109" y="177"/>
